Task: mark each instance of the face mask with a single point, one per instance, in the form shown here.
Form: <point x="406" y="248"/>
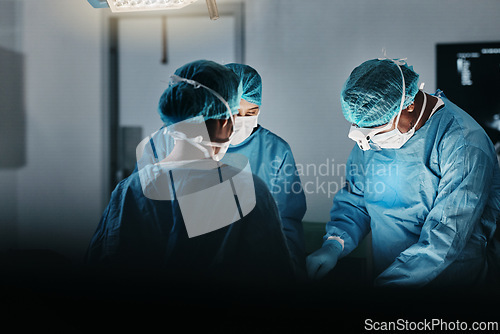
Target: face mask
<point x="363" y="136"/>
<point x="222" y="147"/>
<point x="394" y="138"/>
<point x="243" y="128"/>
<point x="205" y="146"/>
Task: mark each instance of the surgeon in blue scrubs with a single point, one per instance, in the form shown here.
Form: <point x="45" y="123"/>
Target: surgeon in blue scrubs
<point x="148" y="223"/>
<point x="271" y="159"/>
<point x="423" y="177"/>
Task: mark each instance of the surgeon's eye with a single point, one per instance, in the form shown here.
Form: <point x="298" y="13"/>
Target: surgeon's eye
<point x="252" y="112"/>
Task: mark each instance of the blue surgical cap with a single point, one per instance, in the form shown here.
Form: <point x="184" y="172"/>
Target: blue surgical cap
<point x="251" y="82"/>
<point x="182" y="101"/>
<point x="372" y="94"/>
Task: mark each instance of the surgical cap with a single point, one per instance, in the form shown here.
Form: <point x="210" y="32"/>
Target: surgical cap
<point x="372" y="94"/>
<point x="182" y="101"/>
<point x="251" y="82"/>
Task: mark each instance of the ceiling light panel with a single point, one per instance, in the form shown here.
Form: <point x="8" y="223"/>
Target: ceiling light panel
<point x="137" y="5"/>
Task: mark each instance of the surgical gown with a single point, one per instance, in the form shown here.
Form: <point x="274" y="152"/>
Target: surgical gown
<point x="272" y="160"/>
<point x="142" y="234"/>
<point x="430" y="205"/>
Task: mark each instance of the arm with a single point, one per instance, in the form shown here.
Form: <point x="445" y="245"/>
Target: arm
<point x="349" y="222"/>
<point x="349" y="219"/>
<point x="462" y="195"/>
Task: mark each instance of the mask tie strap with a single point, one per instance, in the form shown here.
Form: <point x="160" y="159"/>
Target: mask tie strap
<point x="196" y="142"/>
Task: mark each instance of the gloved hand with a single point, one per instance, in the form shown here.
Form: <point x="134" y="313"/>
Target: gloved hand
<point x="319" y="263"/>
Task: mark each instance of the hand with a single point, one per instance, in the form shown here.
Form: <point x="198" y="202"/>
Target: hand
<point x="322" y="261"/>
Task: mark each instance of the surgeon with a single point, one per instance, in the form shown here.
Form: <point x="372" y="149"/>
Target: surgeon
<point x="271" y="159"/>
<point x="423" y="178"/>
<point x="189" y="215"/>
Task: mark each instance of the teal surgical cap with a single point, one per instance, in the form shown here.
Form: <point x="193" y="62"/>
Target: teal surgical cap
<point x="372" y="94"/>
<point x="251" y="82"/>
<point x="182" y="101"/>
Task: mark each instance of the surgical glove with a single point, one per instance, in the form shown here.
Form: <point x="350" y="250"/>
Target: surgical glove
<point x="323" y="260"/>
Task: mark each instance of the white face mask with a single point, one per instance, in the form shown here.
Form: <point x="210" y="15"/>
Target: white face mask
<point x="207" y="147"/>
<point x="363" y="136"/>
<point x="243" y="128"/>
<point x="222" y="147"/>
<point x="394" y="138"/>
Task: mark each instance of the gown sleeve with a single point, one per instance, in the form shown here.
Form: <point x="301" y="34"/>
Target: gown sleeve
<point x="349" y="219"/>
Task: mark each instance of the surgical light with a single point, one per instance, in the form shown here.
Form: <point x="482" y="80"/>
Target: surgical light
<point x="145" y="5"/>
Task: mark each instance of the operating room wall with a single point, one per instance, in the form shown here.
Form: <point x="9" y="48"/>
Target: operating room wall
<point x="55" y="194"/>
<point x="12" y="118"/>
<point x="52" y="198"/>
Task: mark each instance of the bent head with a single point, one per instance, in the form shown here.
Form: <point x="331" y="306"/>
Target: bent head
<point x="377" y="90"/>
<point x="377" y="98"/>
<point x="201" y="103"/>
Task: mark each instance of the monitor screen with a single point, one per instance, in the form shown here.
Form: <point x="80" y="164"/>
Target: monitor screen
<point x="469" y="75"/>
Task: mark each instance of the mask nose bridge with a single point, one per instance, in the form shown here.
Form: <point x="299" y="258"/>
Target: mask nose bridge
<point x="362" y="136"/>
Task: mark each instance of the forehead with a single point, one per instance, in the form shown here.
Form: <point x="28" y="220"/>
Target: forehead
<point x="247" y="105"/>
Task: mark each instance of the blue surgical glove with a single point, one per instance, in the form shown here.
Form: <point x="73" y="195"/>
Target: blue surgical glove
<point x="322" y="261"/>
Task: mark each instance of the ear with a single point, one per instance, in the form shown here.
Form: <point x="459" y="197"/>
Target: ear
<point x="224" y="122"/>
<point x="411" y="107"/>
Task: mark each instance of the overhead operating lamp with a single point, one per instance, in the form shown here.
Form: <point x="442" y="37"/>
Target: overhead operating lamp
<point x="144" y="5"/>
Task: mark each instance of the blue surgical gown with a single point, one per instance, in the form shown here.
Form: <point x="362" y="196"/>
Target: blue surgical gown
<point x="140" y="234"/>
<point x="272" y="160"/>
<point x="430" y="205"/>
